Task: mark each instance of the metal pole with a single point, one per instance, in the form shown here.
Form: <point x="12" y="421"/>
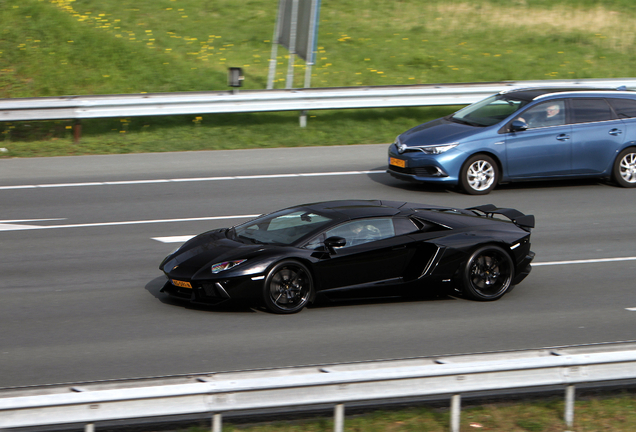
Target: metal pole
<point x="303" y="113"/>
<point x="217" y="423"/>
<point x="308" y="75"/>
<point x="338" y="418"/>
<point x="569" y="405"/>
<point x="455" y="412"/>
<point x="311" y="43"/>
<point x="77" y="131"/>
<point x="90" y="427"/>
<point x="292" y="45"/>
<point x="272" y="59"/>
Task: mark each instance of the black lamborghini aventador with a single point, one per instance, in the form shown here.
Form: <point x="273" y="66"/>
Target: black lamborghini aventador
<point x="284" y="259"/>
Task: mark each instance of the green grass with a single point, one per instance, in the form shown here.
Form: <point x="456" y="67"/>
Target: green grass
<point x="616" y="414"/>
<point x="64" y="47"/>
<point x="229" y="131"/>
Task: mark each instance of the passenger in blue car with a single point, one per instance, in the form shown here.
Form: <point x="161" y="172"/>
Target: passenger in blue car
<point x="548" y="114"/>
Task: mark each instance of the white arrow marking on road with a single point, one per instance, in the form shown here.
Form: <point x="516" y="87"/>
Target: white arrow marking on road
<point x="173" y="239"/>
<point x="10" y="225"/>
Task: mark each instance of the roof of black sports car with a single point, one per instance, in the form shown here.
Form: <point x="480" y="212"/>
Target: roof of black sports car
<point x="365" y="208"/>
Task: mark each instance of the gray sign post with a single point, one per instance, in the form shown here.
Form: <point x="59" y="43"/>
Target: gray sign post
<point x="296" y="29"/>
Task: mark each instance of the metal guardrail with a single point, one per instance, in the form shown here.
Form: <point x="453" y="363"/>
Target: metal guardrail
<point x="336" y="385"/>
<point x="159" y="104"/>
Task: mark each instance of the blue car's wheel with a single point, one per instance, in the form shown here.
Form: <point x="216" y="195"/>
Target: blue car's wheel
<point x="625" y="168"/>
<point x="488" y="274"/>
<point x="287" y="288"/>
<point x="479" y="175"/>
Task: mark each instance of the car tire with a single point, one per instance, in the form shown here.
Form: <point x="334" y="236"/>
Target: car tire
<point x="488" y="274"/>
<point x="624" y="171"/>
<point x="479" y="175"/>
<point x="288" y="287"/>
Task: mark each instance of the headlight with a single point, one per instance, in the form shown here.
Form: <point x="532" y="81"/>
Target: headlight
<point x="437" y="149"/>
<point x="226" y="265"/>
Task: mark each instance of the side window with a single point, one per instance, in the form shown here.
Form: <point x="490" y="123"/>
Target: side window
<point x="625" y="108"/>
<point x="551" y="113"/>
<point x="590" y="110"/>
<point x="363" y="231"/>
<point x="367" y="230"/>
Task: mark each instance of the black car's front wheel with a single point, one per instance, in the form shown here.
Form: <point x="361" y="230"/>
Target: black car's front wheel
<point x="288" y="287"/>
<point x="488" y="274"/>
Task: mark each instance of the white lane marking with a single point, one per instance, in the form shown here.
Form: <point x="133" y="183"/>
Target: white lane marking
<point x="197" y="179"/>
<point x="177" y="239"/>
<point x="586" y="261"/>
<point x="8" y="227"/>
<point x="631" y="309"/>
<point x="173" y="239"/>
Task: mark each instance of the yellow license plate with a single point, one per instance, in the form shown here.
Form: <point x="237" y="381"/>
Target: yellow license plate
<point x="181" y="284"/>
<point x="397" y="162"/>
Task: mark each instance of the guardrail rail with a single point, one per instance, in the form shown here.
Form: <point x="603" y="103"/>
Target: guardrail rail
<point x="335" y="385"/>
<point x="160" y="104"/>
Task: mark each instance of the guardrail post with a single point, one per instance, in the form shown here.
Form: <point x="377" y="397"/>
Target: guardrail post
<point x="90" y="427"/>
<point x="217" y="423"/>
<point x="456" y="406"/>
<point x="569" y="406"/>
<point x="303" y="118"/>
<point x="338" y="418"/>
<point x="77" y="131"/>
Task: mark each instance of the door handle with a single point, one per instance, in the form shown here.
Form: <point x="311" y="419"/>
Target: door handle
<point x="563" y="137"/>
<point x="399" y="247"/>
<point x="615" y="132"/>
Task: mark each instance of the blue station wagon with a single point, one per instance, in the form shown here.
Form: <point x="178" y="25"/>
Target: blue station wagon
<point x="521" y="135"/>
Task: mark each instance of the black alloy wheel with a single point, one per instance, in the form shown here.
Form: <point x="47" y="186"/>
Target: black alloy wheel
<point x="624" y="171"/>
<point x="479" y="175"/>
<point x="488" y="274"/>
<point x="288" y="287"/>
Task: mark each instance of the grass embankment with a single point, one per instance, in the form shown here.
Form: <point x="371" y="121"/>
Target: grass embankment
<point x="593" y="415"/>
<point x="65" y="47"/>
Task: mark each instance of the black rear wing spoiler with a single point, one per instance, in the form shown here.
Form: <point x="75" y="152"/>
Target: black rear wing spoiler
<point x="521" y="220"/>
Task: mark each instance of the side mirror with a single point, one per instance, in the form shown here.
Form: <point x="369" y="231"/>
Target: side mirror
<point x="334" y="242"/>
<point x="518" y="126"/>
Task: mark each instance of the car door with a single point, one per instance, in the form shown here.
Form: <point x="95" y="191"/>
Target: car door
<point x="545" y="148"/>
<point x="376" y="250"/>
<point x="596" y="135"/>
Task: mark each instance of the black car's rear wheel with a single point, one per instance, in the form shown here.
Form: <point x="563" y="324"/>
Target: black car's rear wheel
<point x="488" y="274"/>
<point x="287" y="288"/>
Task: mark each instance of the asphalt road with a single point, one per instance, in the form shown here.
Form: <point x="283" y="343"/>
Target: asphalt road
<point x="79" y="281"/>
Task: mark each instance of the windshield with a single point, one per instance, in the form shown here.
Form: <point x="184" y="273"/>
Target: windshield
<point x="283" y="227"/>
<point x="488" y="112"/>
